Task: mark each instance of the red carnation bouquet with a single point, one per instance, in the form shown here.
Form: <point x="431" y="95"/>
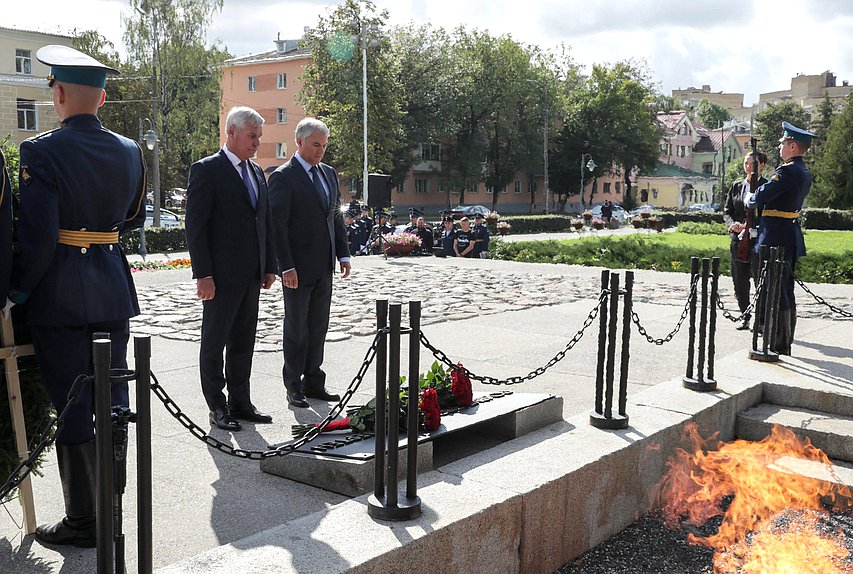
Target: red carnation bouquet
<point x="438" y="390"/>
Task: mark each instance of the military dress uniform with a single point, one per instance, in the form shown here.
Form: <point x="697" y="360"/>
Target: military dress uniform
<point x="780" y="201"/>
<point x="81" y="186"/>
<point x="5" y="229"/>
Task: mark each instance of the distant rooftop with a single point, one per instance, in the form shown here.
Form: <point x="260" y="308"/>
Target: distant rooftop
<point x="42" y="32"/>
<point x="672" y="170"/>
<point x="284" y="50"/>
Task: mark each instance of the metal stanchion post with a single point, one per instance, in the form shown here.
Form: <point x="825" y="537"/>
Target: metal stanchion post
<point x="764" y="271"/>
<point x="414" y="396"/>
<point x="768" y="302"/>
<point x="705" y="382"/>
<point x="144" y="514"/>
<point x="602" y="343"/>
<point x="691" y="333"/>
<point x="388" y="506"/>
<point x="606" y="419"/>
<point x="712" y="323"/>
<point x="703" y="320"/>
<point x="379" y="431"/>
<point x="626" y="343"/>
<point x="101" y="353"/>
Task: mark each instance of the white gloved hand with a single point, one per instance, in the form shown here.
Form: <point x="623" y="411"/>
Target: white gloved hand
<point x="7" y="310"/>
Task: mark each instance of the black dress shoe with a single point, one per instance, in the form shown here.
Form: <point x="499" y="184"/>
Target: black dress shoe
<point x="222" y="419"/>
<point x="743" y="325"/>
<point x="322" y="395"/>
<point x="297" y="399"/>
<point x="251" y="414"/>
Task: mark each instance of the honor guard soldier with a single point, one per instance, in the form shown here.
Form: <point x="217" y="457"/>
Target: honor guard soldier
<point x="353" y="232"/>
<point x="780" y="201"/>
<point x="81" y="186"/>
<point x="381" y="228"/>
<point x="5" y="229"/>
<point x="481" y="236"/>
<point x="365" y="225"/>
<point x="413" y="219"/>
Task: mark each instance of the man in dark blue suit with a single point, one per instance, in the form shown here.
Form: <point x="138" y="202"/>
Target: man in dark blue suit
<point x="81" y="186"/>
<point x="780" y="201"/>
<point x="228" y="222"/>
<point x="309" y="238"/>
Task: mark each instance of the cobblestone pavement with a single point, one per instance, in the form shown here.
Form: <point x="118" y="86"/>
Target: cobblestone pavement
<point x="447" y="291"/>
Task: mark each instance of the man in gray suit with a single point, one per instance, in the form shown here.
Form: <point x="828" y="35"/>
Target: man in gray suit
<point x="228" y="222"/>
<point x="309" y="237"/>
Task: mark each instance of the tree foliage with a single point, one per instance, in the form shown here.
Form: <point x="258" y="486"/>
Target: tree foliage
<point x="833" y="170"/>
<point x="768" y="125"/>
<point x="333" y="88"/>
<point x="177" y="74"/>
<point x="610" y="118"/>
<point x="711" y="115"/>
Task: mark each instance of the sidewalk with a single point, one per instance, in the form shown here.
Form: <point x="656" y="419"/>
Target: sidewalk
<point x="204" y="499"/>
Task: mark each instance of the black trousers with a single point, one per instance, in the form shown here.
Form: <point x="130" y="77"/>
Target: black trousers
<point x="306" y="321"/>
<point x="64" y="353"/>
<point x="744" y="274"/>
<point x="229" y="323"/>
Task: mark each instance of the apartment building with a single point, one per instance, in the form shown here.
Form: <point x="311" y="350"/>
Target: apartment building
<point x="26" y="103"/>
<point x="269" y="82"/>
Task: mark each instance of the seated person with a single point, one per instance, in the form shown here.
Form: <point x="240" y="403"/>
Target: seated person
<point x="463" y="243"/>
<point x="447" y="238"/>
<point x="381" y="228"/>
<point x="481" y="236"/>
<point x="425" y="234"/>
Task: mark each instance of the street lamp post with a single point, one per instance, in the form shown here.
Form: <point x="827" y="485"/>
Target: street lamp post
<point x="151" y="141"/>
<point x="365" y="33"/>
<point x="545" y="143"/>
<point x="590" y="165"/>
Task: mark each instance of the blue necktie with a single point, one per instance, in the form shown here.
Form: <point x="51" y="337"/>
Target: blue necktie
<point x="315" y="177"/>
<point x="244" y="171"/>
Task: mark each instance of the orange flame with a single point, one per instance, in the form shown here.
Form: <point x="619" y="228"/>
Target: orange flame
<point x="704" y="478"/>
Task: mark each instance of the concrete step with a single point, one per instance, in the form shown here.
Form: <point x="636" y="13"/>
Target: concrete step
<point x="831" y="433"/>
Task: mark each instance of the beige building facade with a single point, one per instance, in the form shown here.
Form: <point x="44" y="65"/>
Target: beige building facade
<point x="26" y="105"/>
<point x="809" y="92"/>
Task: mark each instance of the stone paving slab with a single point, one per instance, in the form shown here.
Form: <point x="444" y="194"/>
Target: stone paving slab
<point x="203" y="499"/>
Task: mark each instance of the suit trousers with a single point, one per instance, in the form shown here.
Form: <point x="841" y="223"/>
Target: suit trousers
<point x="63" y="354"/>
<point x="306" y="321"/>
<point x="229" y="323"/>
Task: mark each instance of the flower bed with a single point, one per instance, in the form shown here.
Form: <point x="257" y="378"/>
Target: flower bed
<point x="179" y="263"/>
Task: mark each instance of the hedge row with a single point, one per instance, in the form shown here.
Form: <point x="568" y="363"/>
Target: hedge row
<point x="636" y="252"/>
<point x="157" y="240"/>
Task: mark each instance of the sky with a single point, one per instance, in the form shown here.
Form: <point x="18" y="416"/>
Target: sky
<point x="740" y="46"/>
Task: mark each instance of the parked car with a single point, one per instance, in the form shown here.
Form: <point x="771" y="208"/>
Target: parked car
<point x="468" y="211"/>
<point x="176" y="198"/>
<point x="619" y="214"/>
<point x="702" y="207"/>
<point x="641" y="209"/>
<point x="167" y="218"/>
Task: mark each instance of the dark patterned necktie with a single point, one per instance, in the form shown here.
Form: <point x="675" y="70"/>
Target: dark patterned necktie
<point x="315" y="177"/>
<point x="244" y="171"/>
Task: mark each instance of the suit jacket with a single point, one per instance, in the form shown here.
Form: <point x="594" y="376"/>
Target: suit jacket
<point x="79" y="176"/>
<point x="227" y="238"/>
<point x="309" y="236"/>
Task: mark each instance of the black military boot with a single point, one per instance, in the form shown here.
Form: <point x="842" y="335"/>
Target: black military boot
<point x="77" y="473"/>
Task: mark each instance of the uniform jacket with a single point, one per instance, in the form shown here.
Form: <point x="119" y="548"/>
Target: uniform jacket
<point x="786" y="191"/>
<point x="308" y="235"/>
<point x="78" y="177"/>
<point x="5" y="229"/>
<point x="227" y="238"/>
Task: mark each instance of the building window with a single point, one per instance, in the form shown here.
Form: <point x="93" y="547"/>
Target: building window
<point x="281" y="150"/>
<point x="474" y="189"/>
<point x="23" y="62"/>
<point x="531" y="187"/>
<point x="430" y="152"/>
<point x="421" y="186"/>
<point x="281" y="82"/>
<point x="517" y="186"/>
<point x="607" y="187"/>
<point x="441" y="187"/>
<point x="27" y="115"/>
<point x="281" y="116"/>
<point x="251" y="83"/>
<point x="707" y="167"/>
<point x="618" y="187"/>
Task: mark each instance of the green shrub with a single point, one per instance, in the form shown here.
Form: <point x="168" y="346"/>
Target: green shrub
<point x="157" y="240"/>
<point x="673" y="218"/>
<point x="696" y="228"/>
<point x="556" y="223"/>
<point x="825" y="218"/>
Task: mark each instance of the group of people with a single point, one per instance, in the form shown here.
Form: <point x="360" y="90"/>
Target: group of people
<point x="768" y="215"/>
<point x="82" y="186"/>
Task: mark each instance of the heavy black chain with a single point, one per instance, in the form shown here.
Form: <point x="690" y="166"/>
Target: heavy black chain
<point x="823" y="301"/>
<point x="25" y="467"/>
<point x="202" y="435"/>
<point x="443" y="358"/>
<point x="748" y="311"/>
<point x="636" y="318"/>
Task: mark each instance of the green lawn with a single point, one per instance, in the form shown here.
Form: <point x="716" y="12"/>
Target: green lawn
<point x="829" y="259"/>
